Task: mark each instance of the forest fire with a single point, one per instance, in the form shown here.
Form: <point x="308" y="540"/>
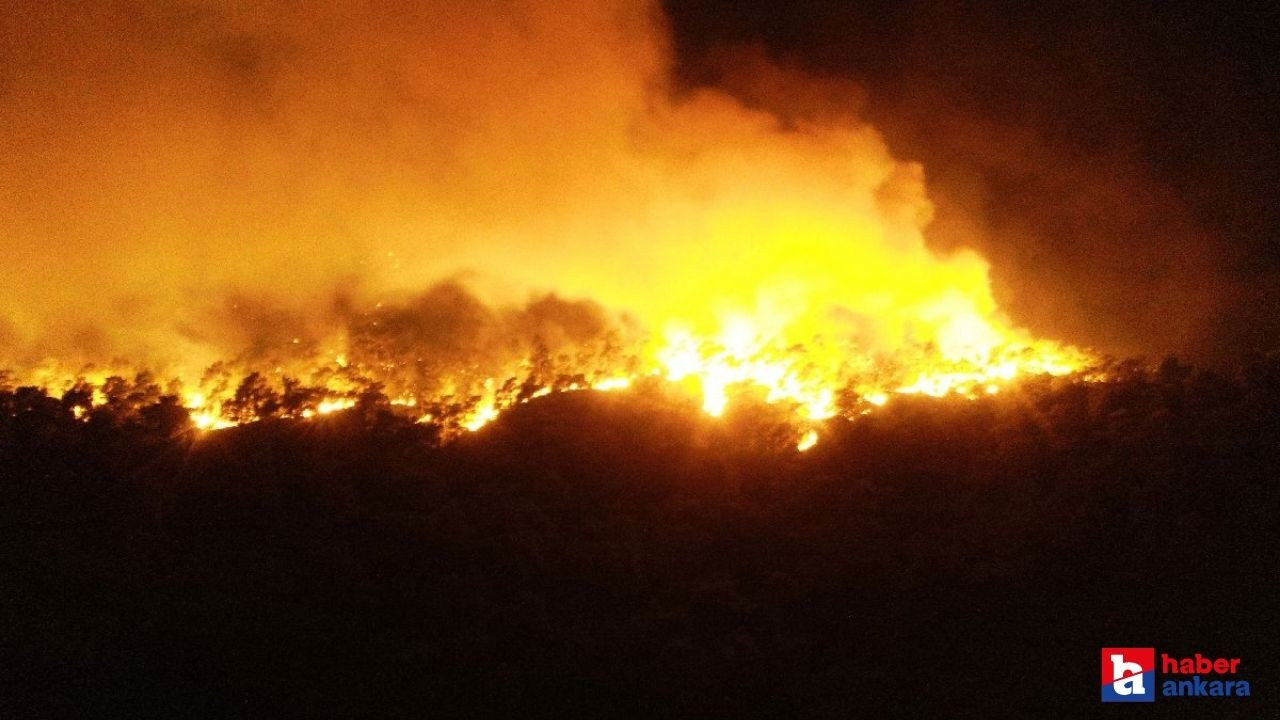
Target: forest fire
<point x="816" y="381"/>
<point x="599" y="227"/>
<point x="635" y="358"/>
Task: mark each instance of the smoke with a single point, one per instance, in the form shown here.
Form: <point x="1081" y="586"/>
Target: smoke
<point x="1091" y="245"/>
<point x="1086" y="245"/>
<point x="159" y="154"/>
<point x="184" y="182"/>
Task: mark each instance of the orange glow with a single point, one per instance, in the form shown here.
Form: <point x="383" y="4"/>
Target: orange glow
<point x="816" y="380"/>
<point x="464" y="211"/>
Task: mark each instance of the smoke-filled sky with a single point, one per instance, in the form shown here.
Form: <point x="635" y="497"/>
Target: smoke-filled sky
<point x="163" y="164"/>
<point x="1118" y="163"/>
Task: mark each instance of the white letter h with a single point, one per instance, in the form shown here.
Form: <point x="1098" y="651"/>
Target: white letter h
<point x="1129" y="685"/>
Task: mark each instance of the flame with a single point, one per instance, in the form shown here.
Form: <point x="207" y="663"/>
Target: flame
<point x="808" y="440"/>
<point x="813" y="336"/>
<point x="774" y="358"/>
<point x="791" y="359"/>
<point x="210" y="421"/>
<point x="484" y="413"/>
<point x="738" y="252"/>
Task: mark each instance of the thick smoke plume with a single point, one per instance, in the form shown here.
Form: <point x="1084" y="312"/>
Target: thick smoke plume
<point x="174" y="173"/>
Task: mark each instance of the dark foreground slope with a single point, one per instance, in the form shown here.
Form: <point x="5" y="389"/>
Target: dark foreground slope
<point x="613" y="556"/>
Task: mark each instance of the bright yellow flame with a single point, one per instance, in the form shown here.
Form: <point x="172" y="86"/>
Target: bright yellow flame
<point x="333" y="405"/>
<point x="481" y="416"/>
<point x="485" y="411"/>
<point x="743" y="356"/>
<point x="790" y="359"/>
<point x="209" y="421"/>
<point x="761" y="254"/>
<point x="790" y="268"/>
<point x="808" y="440"/>
<point x="794" y="359"/>
<point x="607" y="384"/>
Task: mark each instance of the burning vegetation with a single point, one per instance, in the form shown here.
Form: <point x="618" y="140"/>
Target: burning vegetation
<point x="449" y="361"/>
<point x="259" y="248"/>
<point x="372" y="359"/>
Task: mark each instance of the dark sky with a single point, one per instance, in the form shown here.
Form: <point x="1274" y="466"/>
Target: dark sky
<point x="1120" y="155"/>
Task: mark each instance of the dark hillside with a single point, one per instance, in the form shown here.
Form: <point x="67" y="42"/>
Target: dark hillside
<point x="615" y="555"/>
